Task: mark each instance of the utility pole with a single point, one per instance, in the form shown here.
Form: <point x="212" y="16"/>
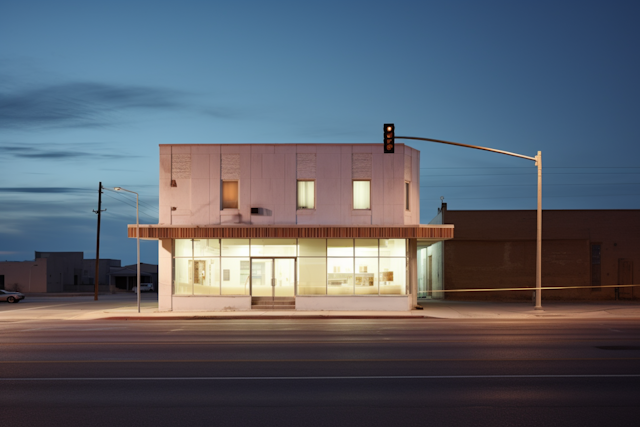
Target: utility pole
<point x="96" y="281"/>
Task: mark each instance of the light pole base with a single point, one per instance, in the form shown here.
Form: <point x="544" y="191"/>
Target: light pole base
<point x="538" y="307"/>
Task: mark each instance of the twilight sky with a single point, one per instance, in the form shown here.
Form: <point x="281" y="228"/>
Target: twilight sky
<point x="89" y="89"/>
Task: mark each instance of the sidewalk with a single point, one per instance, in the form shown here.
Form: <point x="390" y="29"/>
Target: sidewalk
<point x="124" y="307"/>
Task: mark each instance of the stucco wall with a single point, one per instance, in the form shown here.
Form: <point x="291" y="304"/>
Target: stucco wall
<point x="25" y="276"/>
<point x="267" y="179"/>
<point x="353" y="303"/>
<point x="219" y="303"/>
<point x="496" y="249"/>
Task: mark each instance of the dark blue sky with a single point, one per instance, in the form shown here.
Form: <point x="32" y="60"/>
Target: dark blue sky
<point x="89" y="89"/>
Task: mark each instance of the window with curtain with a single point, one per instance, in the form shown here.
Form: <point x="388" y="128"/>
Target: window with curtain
<point x="306" y="195"/>
<point x="361" y="194"/>
<point x="229" y="194"/>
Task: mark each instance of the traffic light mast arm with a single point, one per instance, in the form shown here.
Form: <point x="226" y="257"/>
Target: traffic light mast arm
<point x="538" y="160"/>
<point x="477" y="147"/>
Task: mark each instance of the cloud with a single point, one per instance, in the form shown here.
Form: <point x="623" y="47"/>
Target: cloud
<point x="43" y="151"/>
<point x="46" y="190"/>
<point x="80" y="104"/>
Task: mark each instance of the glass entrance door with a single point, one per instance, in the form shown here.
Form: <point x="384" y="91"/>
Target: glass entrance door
<point x="273" y="277"/>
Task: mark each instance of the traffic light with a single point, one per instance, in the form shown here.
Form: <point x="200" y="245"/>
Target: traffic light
<point x="389" y="137"/>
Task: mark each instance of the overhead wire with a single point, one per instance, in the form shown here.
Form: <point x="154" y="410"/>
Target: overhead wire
<point x="131" y="197"/>
<point x="141" y="210"/>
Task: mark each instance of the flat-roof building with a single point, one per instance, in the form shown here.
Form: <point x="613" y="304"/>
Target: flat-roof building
<point x="302" y="226"/>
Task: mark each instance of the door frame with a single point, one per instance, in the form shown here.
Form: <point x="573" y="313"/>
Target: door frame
<point x="273" y="272"/>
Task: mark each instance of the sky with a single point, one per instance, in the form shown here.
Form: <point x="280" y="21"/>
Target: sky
<point x="88" y="89"/>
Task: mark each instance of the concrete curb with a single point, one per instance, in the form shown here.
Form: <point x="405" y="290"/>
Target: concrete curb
<point x="260" y="317"/>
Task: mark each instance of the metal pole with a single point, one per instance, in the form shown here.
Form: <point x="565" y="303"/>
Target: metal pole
<point x="97" y="277"/>
<point x="538" y="160"/>
<point x="138" y="241"/>
<point x="539" y="236"/>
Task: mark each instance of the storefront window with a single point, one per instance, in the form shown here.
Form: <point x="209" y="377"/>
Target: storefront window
<point x="206" y="276"/>
<point x="182" y="283"/>
<point x="312" y="276"/>
<point x="366" y="276"/>
<point x="393" y="247"/>
<point x="392" y="276"/>
<point x="340" y="276"/>
<point x="273" y="247"/>
<point x="367" y="247"/>
<point x="235" y="247"/>
<point x="183" y="247"/>
<point x="340" y="247"/>
<point x="206" y="247"/>
<point x="312" y="247"/>
<point x="235" y="276"/>
<point x="324" y="266"/>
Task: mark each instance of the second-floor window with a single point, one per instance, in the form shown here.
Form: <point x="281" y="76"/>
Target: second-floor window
<point x="306" y="195"/>
<point x="229" y="194"/>
<point x="407" y="195"/>
<point x="361" y="194"/>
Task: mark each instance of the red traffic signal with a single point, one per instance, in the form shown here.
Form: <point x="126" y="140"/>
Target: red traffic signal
<point x="389" y="137"/>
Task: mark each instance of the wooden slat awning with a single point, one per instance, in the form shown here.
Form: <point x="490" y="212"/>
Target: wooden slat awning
<point x="422" y="232"/>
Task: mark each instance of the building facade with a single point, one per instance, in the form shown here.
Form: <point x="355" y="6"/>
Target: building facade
<point x="589" y="253"/>
<point x="303" y="226"/>
<point x="53" y="272"/>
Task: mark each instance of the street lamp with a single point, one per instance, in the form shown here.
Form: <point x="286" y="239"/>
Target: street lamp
<point x="137" y="239"/>
<point x="538" y="160"/>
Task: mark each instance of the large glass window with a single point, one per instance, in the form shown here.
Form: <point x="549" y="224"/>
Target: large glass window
<point x="340" y="276"/>
<point x="229" y="194"/>
<point x="273" y="247"/>
<point x="205" y="273"/>
<point x="361" y="194"/>
<point x="182" y="281"/>
<point x="367" y="247"/>
<point x="312" y="247"/>
<point x="183" y="248"/>
<point x="206" y="247"/>
<point x="340" y="247"/>
<point x="392" y="276"/>
<point x="366" y="276"/>
<point x="324" y="266"/>
<point x="312" y="276"/>
<point x="235" y="276"/>
<point x="393" y="247"/>
<point x="235" y="247"/>
<point x="306" y="195"/>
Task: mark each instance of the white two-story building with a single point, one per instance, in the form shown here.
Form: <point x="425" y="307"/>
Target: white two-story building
<point x="299" y="226"/>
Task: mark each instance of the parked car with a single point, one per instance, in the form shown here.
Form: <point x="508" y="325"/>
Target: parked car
<point x="9" y="296"/>
<point x="144" y="287"/>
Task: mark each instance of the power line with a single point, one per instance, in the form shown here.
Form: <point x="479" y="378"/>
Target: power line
<point x="530" y="174"/>
<point x="151" y="215"/>
<point x="521" y="167"/>
<point x="543" y="197"/>
<point x="529" y="185"/>
<point x="131" y="197"/>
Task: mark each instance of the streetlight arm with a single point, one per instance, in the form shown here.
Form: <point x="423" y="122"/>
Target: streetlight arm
<point x="477" y="147"/>
<point x="538" y="160"/>
<point x="137" y="240"/>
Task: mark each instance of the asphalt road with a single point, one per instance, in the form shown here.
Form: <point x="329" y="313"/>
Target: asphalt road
<point x="320" y="373"/>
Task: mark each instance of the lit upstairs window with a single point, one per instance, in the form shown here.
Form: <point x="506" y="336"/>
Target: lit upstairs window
<point x="306" y="195"/>
<point x="229" y="194"/>
<point x="361" y="194"/>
